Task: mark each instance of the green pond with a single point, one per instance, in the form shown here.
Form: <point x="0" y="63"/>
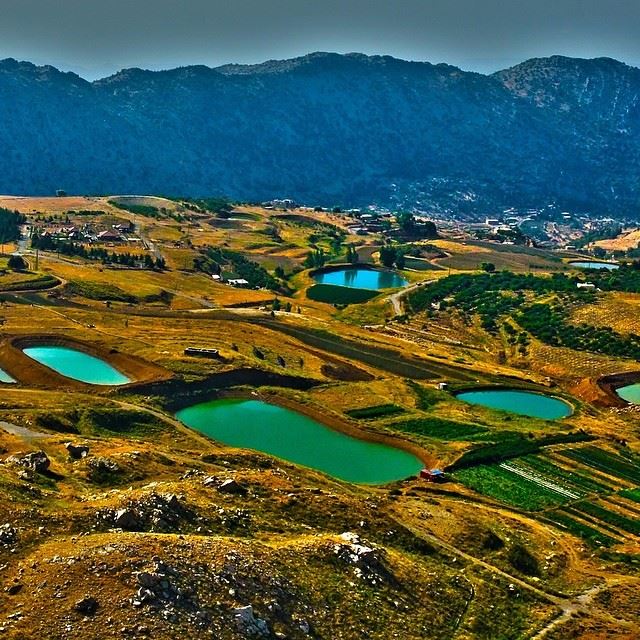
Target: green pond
<point x="286" y="434"/>
<point x="77" y="365"/>
<point x="525" y="403"/>
<point x="630" y="393"/>
<point x="358" y="278"/>
<point x="595" y="265"/>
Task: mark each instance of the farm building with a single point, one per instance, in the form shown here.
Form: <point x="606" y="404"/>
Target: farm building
<point x="432" y="475"/>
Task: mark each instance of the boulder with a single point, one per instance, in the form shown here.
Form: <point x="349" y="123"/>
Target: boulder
<point x="249" y="625"/>
<point x="126" y="519"/>
<point x="36" y="461"/>
<point x="8" y="534"/>
<point x="87" y="606"/>
<point x="232" y="487"/>
<point x="77" y="451"/>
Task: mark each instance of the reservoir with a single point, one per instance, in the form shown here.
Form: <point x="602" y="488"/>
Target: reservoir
<point x="286" y="434"/>
<point x="630" y="393"/>
<point x="594" y="265"/>
<point x="6" y="378"/>
<point x="77" y="365"/>
<point x="359" y="278"/>
<point x="525" y="403"/>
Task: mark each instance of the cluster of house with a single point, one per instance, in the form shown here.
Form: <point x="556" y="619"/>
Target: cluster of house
<point x="116" y="234"/>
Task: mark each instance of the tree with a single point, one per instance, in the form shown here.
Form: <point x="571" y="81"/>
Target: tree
<point x="17" y="263"/>
<point x="387" y="256"/>
<point x="489" y="267"/>
<point x="352" y="254"/>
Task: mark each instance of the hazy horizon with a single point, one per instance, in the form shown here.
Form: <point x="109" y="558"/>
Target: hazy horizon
<point x="95" y="40"/>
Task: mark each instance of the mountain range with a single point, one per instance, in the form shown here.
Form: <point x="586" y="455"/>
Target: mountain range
<point x="332" y="129"/>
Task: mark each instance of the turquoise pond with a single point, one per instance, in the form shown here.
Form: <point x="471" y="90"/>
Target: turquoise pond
<point x="6" y="378"/>
<point x="630" y="393"/>
<point x="361" y="278"/>
<point x="595" y="265"/>
<point x="286" y="434"/>
<point x="77" y="365"/>
<point x="525" y="403"/>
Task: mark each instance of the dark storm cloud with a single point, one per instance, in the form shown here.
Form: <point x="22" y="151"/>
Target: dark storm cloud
<point x="97" y="38"/>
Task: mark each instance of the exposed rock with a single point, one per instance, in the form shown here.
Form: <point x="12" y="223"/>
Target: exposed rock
<point x="35" y="461"/>
<point x="232" y="487"/>
<point x="152" y="512"/>
<point x="86" y="606"/>
<point x="104" y="465"/>
<point x="8" y="535"/>
<point x="249" y="625"/>
<point x="368" y="562"/>
<point x="126" y="519"/>
<point x="77" y="451"/>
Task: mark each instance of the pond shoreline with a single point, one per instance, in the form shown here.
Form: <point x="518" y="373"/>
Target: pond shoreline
<point x="331" y="421"/>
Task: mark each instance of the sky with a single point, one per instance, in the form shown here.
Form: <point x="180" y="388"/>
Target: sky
<point x="96" y="39"/>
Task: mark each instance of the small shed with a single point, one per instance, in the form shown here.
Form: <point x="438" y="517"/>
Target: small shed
<point x="432" y="475"/>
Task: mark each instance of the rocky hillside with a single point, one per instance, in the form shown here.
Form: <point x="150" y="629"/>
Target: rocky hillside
<point x="331" y="129"/>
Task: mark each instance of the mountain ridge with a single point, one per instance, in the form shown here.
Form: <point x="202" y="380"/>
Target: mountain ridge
<point x="348" y="129"/>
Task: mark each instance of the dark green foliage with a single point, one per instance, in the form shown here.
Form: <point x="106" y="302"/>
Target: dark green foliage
<point x="548" y="324"/>
<point x="215" y="258"/>
<point x="514" y="448"/>
<point x="601" y="460"/>
<point x="440" y="429"/>
<point x="120" y="421"/>
<point x="315" y="259"/>
<point x="137" y="209"/>
<point x="352" y="254"/>
<point x="391" y="255"/>
<point x="56" y="422"/>
<point x="631" y="494"/>
<point x="99" y="291"/>
<point x="425" y="396"/>
<point x="589" y="534"/>
<point x="36" y="284"/>
<point x="10" y="222"/>
<point x="17" y="263"/>
<point x="379" y="411"/>
<point x="334" y="294"/>
<point x="607" y="515"/>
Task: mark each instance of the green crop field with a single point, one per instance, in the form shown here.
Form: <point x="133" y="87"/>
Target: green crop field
<point x="578" y="480"/>
<point x="333" y="294"/>
<point x="631" y="494"/>
<point x="503" y="485"/>
<point x="613" y="518"/>
<point x="440" y="429"/>
<point x="378" y="411"/>
<point x="590" y="535"/>
<point x="602" y="460"/>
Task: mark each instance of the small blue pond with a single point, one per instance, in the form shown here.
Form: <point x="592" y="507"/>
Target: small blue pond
<point x="359" y="278"/>
<point x="525" y="403"/>
<point x="77" y="365"/>
<point x="6" y="378"/>
<point x="630" y="393"/>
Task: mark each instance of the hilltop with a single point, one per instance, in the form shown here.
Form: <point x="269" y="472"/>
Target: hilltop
<point x="332" y="129"/>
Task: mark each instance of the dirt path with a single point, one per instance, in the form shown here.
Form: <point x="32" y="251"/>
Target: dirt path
<point x="396" y="299"/>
